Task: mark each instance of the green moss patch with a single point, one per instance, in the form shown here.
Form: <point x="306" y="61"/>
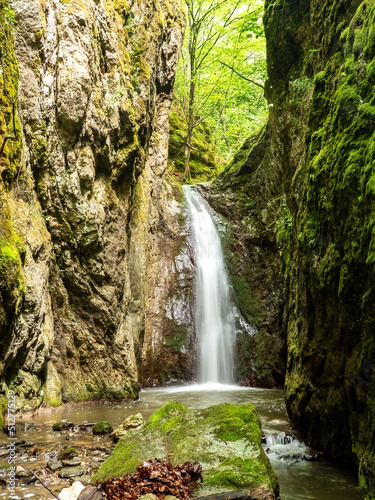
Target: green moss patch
<point x="68" y="452"/>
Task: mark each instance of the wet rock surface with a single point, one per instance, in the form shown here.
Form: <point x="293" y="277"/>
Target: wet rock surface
<point x="224" y="439"/>
<point x="246" y="225"/>
<point x="68" y="472"/>
<point x="75" y="453"/>
<point x="92" y="209"/>
<point x="130" y="423"/>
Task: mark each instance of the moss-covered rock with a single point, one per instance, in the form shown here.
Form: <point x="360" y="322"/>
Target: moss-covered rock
<point x="225" y="439"/>
<point x="312" y="184"/>
<point x="59" y="426"/>
<point x="68" y="452"/>
<point x="327" y="252"/>
<point x="103" y="427"/>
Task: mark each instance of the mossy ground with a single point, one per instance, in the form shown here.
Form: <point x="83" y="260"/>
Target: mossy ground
<point x="225" y="439"/>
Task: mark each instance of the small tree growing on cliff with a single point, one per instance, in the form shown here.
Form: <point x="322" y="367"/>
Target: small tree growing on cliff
<point x="214" y="31"/>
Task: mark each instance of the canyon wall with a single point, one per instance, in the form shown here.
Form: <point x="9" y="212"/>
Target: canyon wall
<point x="91" y="232"/>
<point x="308" y="180"/>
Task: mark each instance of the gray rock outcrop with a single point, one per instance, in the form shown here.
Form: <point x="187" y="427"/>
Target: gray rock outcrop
<point x="90" y="217"/>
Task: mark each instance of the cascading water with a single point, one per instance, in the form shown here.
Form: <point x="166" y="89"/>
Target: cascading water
<point x="215" y="318"/>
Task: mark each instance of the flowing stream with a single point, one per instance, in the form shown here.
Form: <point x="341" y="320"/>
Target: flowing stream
<point x="215" y="319"/>
<point x="299" y="478"/>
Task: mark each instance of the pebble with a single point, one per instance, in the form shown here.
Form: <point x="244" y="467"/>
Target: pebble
<point x="72" y="462"/>
<point x="54" y="464"/>
<point x="72" y="492"/>
<point x="67" y="472"/>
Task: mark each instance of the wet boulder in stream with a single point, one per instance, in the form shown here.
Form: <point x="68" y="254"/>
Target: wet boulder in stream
<point x="225" y="439"/>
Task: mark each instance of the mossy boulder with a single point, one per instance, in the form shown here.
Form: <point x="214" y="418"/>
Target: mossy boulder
<point x="103" y="427"/>
<point x="59" y="426"/>
<point x="225" y="439"/>
<point x="68" y="452"/>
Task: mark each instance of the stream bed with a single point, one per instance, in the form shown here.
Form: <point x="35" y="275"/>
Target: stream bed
<point x="299" y="479"/>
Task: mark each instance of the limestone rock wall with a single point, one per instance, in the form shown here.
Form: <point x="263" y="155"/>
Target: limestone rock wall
<point x="83" y="196"/>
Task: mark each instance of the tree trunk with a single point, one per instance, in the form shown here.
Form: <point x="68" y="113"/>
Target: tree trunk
<point x="189" y="135"/>
<point x="187" y="154"/>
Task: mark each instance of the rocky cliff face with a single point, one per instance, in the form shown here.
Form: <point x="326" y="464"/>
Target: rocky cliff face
<point x="86" y="205"/>
<point x="253" y="261"/>
<point x="314" y="165"/>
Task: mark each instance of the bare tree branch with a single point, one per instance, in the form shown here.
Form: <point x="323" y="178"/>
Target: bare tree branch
<point x="44" y="486"/>
<point x="242" y="76"/>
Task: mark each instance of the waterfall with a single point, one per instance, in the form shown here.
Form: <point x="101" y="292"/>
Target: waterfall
<point x="215" y="319"/>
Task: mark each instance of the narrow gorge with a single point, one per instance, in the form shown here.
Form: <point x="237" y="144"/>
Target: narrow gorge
<point x="97" y="265"/>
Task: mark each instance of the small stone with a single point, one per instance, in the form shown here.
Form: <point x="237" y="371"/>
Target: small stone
<point x="72" y="462"/>
<point x="72" y="492"/>
<point x="95" y="453"/>
<point x="60" y="426"/>
<point x="53" y="464"/>
<point x="104" y="427"/>
<point x="85" y="479"/>
<point x="21" y="472"/>
<point x="130" y="423"/>
<point x="67" y="472"/>
<point x="312" y="457"/>
<point x="91" y="493"/>
<point x="68" y="452"/>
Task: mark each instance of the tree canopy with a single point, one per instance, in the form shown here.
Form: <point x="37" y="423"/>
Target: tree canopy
<point x="221" y="73"/>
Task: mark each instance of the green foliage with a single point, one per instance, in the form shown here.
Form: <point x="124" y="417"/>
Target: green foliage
<point x="230" y="51"/>
<point x="9" y="15"/>
<point x="250" y="24"/>
<point x="177" y="341"/>
<point x="12" y="253"/>
<point x="205" y="162"/>
<point x="284" y="225"/>
<point x="3" y="408"/>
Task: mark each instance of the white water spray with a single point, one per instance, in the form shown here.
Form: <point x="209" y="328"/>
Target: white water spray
<point x="215" y="319"/>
